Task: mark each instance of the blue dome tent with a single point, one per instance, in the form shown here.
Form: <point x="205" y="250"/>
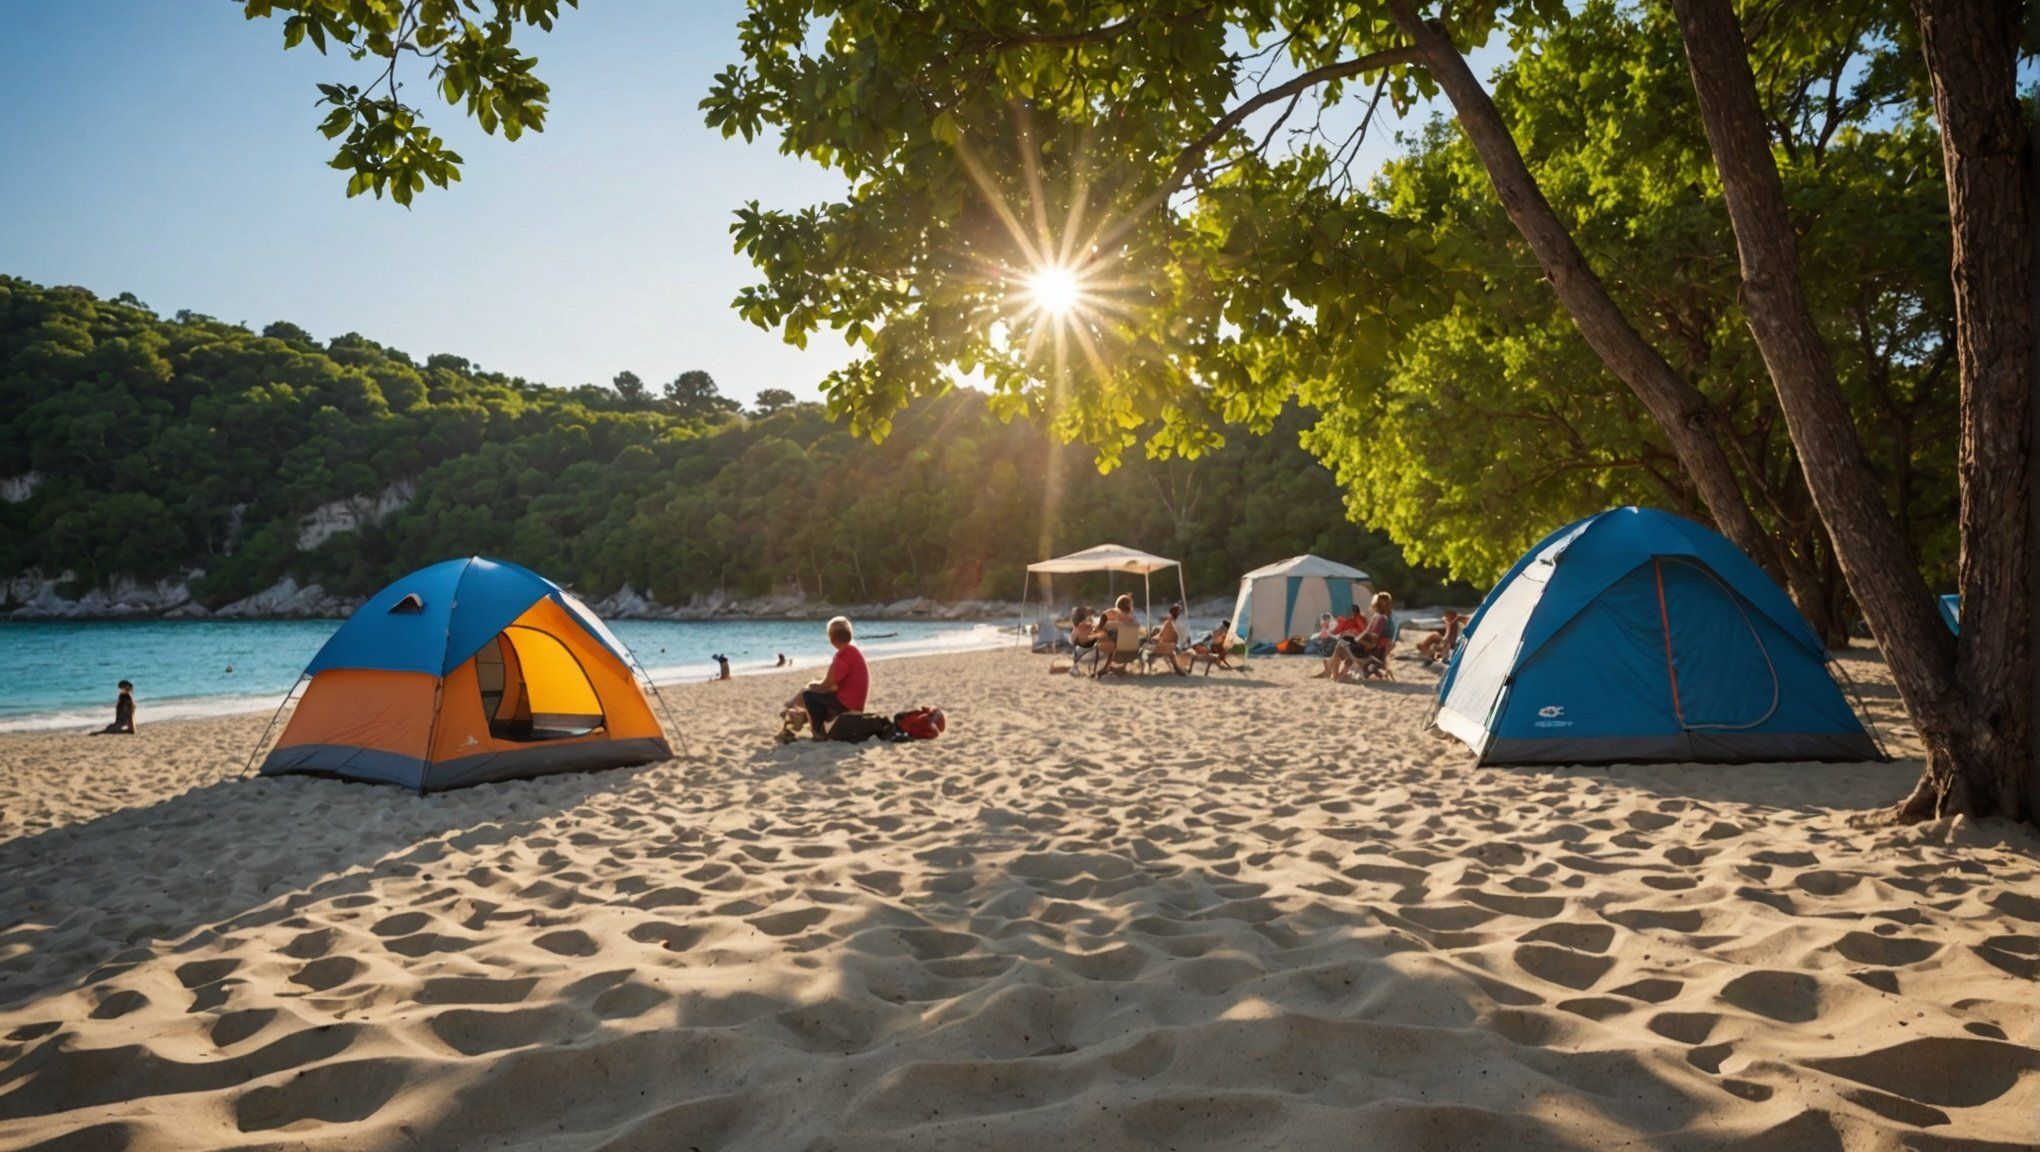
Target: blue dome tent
<point x="1636" y="635"/>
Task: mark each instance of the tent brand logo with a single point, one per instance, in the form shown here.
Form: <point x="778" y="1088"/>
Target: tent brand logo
<point x="1551" y="714"/>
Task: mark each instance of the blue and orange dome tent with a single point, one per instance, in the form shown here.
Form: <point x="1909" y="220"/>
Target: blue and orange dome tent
<point x="465" y="672"/>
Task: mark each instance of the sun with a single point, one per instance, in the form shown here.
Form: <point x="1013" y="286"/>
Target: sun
<point x="1056" y="291"/>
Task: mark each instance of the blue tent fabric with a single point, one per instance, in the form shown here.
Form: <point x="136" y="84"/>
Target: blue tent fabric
<point x="1636" y="635"/>
<point x="461" y="605"/>
<point x="1951" y="612"/>
<point x="1341" y="592"/>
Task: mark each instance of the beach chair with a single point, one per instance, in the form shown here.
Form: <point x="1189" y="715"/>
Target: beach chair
<point x="1376" y="666"/>
<point x="1217" y="653"/>
<point x="1129" y="647"/>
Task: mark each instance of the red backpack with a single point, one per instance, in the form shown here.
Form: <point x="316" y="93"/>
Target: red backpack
<point x="921" y="723"/>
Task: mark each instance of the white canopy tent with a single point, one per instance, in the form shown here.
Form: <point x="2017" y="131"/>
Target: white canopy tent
<point x="1110" y="558"/>
<point x="1277" y="600"/>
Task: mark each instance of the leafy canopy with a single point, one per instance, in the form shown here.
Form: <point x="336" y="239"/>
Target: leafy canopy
<point x="465" y="48"/>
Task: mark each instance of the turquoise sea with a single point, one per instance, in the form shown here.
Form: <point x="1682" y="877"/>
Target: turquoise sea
<point x="63" y="674"/>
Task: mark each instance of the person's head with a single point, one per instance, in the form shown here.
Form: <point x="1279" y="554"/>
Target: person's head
<point x="1324" y="618"/>
<point x="1176" y="610"/>
<point x="126" y="687"/>
<point x="1383" y="603"/>
<point x="1452" y="617"/>
<point x="839" y="631"/>
<point x="1124" y="603"/>
<point x="1080" y="615"/>
<point x="1353" y="612"/>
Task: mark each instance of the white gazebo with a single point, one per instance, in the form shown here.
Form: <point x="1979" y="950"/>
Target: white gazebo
<point x="1110" y="558"/>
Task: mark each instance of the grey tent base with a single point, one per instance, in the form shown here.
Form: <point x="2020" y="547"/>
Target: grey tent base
<point x="544" y="759"/>
<point x="1688" y="747"/>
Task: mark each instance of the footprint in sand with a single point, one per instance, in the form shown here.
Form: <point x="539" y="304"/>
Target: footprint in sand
<point x="568" y="942"/>
<point x="1652" y="990"/>
<point x="1562" y="966"/>
<point x="1685" y="1027"/>
<point x="883" y="883"/>
<point x="1949" y="1071"/>
<point x="118" y="1004"/>
<point x="1579" y="937"/>
<point x="341" y="1093"/>
<point x="1824" y="882"/>
<point x="328" y="974"/>
<point x="1788" y="997"/>
<point x="789" y="922"/>
<point x="671" y="937"/>
<point x="1887" y="951"/>
<point x="475" y="990"/>
<point x="233" y="1027"/>
<point x="2018" y="955"/>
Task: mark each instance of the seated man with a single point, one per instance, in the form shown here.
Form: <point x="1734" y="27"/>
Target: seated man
<point x="1169" y="638"/>
<point x="842" y="689"/>
<point x="1084" y="637"/>
<point x="1438" y="645"/>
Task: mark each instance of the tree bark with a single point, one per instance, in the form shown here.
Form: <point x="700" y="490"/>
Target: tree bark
<point x="1961" y="738"/>
<point x="1679" y="408"/>
<point x="1971" y="48"/>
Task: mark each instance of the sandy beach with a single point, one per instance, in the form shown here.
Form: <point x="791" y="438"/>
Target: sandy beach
<point x="1245" y="912"/>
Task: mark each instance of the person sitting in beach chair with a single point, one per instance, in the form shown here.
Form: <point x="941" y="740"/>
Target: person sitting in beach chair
<point x="1084" y="639"/>
<point x="1121" y="612"/>
<point x="1437" y="645"/>
<point x="1364" y="654"/>
<point x="842" y="689"/>
<point x="1325" y="638"/>
<point x="1168" y="641"/>
<point x="1120" y="640"/>
<point x="1214" y="650"/>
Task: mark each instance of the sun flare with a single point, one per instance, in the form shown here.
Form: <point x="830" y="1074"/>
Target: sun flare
<point x="1056" y="291"/>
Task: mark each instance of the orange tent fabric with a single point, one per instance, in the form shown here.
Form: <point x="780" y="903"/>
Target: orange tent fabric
<point x="547" y="692"/>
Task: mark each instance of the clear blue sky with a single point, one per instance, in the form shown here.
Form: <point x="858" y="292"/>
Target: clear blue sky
<point x="168" y="148"/>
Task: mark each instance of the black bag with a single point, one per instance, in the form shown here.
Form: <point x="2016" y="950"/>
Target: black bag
<point x="857" y="727"/>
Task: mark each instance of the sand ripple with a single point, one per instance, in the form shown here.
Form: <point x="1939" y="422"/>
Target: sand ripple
<point x="1250" y="912"/>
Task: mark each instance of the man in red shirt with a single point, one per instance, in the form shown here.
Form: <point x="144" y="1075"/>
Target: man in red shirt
<point x="842" y="689"/>
<point x="1352" y="623"/>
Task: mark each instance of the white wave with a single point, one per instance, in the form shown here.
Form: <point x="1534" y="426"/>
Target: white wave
<point x="146" y="712"/>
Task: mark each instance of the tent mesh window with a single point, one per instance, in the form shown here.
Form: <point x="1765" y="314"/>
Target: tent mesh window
<point x="534" y="689"/>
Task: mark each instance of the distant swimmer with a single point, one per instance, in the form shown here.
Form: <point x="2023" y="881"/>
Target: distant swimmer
<point x="722" y="664"/>
<point x="230" y="669"/>
<point x="123" y="713"/>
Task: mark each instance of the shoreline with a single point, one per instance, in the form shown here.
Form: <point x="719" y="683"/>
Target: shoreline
<point x="177" y="709"/>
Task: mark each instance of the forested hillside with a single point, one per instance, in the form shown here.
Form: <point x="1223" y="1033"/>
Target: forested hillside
<point x="139" y="447"/>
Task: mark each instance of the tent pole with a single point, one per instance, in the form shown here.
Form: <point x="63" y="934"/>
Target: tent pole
<point x="248" y="768"/>
<point x="1026" y="582"/>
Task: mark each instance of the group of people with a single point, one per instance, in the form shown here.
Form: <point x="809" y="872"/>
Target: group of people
<point x="1096" y="638"/>
<point x="1359" y="643"/>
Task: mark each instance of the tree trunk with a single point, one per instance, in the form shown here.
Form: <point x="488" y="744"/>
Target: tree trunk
<point x="1971" y="48"/>
<point x="1961" y="738"/>
<point x="1679" y="408"/>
